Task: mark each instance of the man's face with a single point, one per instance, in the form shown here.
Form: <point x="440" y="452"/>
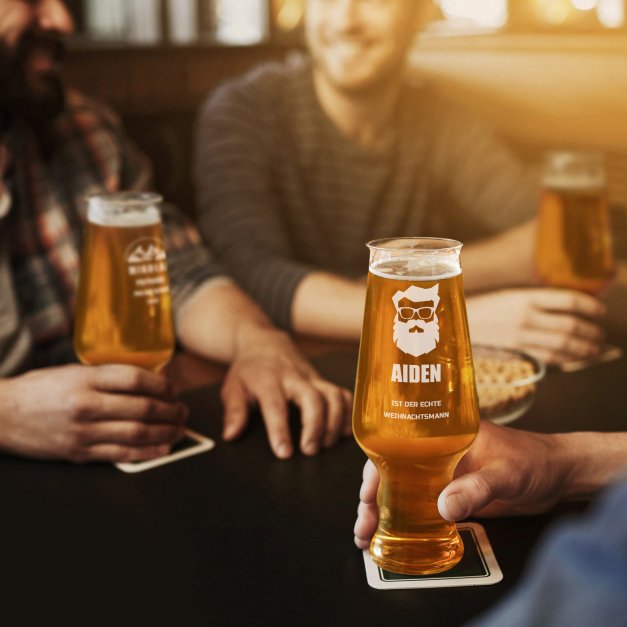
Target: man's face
<point x="358" y="44"/>
<point x="31" y="33"/>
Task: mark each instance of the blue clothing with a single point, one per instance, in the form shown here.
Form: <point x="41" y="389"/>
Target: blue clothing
<point x="579" y="576"/>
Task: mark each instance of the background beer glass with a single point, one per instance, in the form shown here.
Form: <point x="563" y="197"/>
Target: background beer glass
<point x="416" y="407"/>
<point x="574" y="244"/>
<point x="123" y="312"/>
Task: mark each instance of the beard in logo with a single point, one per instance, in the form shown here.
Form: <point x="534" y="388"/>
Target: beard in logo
<point x="416" y="329"/>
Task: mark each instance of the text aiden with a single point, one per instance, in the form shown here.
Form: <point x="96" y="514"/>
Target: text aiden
<point x="427" y="373"/>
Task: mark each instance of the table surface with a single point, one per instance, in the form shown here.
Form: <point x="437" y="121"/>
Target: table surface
<point x="236" y="537"/>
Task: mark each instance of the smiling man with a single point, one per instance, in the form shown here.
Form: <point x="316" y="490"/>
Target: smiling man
<point x="299" y="164"/>
<point x="56" y="146"/>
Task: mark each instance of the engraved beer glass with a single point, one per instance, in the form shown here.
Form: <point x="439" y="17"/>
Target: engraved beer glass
<point x="416" y="411"/>
<point x="123" y="312"/>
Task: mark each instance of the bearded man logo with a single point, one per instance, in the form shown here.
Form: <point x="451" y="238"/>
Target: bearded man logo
<point x="416" y="329"/>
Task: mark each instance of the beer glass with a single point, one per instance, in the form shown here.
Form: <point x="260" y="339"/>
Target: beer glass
<point x="123" y="312"/>
<point x="416" y="411"/>
<point x="574" y="244"/>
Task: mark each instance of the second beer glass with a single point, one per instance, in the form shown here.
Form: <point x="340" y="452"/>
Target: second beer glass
<point x="416" y="410"/>
<point x="574" y="243"/>
<point x="123" y="313"/>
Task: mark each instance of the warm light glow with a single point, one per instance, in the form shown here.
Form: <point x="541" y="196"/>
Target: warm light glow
<point x="490" y="13"/>
<point x="611" y="13"/>
<point x="584" y="5"/>
<point x="241" y="21"/>
<point x="554" y="12"/>
<point x="290" y="13"/>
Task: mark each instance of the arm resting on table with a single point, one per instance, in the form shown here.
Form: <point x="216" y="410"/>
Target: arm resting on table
<point x="219" y="320"/>
<point x="329" y="305"/>
<point x="505" y="260"/>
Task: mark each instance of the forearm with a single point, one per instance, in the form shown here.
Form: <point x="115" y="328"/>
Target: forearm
<point x="329" y="306"/>
<point x="502" y="261"/>
<point x="219" y="319"/>
<point x="590" y="461"/>
<point x="8" y="411"/>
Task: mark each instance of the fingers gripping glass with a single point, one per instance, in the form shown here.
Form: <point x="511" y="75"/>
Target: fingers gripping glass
<point x="124" y="311"/>
<point x="409" y="313"/>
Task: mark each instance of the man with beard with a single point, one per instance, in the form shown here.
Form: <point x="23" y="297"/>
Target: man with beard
<point x="56" y="146"/>
<point x="299" y="164"/>
<point x="416" y="330"/>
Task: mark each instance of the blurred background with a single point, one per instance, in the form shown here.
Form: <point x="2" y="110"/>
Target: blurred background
<point x="545" y="73"/>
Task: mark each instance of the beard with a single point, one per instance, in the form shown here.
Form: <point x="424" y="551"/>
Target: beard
<point x="38" y="99"/>
<point x="416" y="337"/>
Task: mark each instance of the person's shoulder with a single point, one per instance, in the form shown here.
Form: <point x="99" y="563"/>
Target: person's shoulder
<point x="269" y="76"/>
<point x="83" y="113"/>
<point x="258" y="89"/>
<point x="88" y="132"/>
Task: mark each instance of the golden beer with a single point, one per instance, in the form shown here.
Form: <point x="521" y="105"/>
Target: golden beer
<point x="123" y="312"/>
<point x="415" y="410"/>
<point x="574" y="244"/>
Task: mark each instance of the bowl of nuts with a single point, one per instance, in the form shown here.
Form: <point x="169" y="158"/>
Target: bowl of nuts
<point x="506" y="382"/>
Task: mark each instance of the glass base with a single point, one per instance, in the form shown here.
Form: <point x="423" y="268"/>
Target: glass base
<point x="417" y="556"/>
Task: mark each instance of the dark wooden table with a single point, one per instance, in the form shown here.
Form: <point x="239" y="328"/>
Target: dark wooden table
<point x="235" y="537"/>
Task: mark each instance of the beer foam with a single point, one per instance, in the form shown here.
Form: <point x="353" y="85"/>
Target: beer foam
<point x="124" y="217"/>
<point x="426" y="268"/>
<point x="570" y="182"/>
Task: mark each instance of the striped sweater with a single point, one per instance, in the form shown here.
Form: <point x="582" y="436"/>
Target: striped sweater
<point x="281" y="192"/>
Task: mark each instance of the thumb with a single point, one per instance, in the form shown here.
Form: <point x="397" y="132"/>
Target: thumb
<point x="235" y="404"/>
<point x="470" y="493"/>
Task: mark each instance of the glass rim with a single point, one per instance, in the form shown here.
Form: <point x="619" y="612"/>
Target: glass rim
<point x="575" y="153"/>
<point x="448" y="244"/>
<point x="126" y="198"/>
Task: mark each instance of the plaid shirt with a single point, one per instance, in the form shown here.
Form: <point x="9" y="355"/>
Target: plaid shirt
<point x="90" y="153"/>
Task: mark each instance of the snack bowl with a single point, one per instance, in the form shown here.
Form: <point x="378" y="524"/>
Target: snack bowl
<point x="506" y="382"/>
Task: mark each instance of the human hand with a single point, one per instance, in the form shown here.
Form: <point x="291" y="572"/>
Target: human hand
<point x="554" y="325"/>
<point x="114" y="413"/>
<point x="506" y="472"/>
<point x="270" y="371"/>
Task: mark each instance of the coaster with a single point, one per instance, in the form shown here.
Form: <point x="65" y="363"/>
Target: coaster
<point x="192" y="444"/>
<point x="477" y="568"/>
